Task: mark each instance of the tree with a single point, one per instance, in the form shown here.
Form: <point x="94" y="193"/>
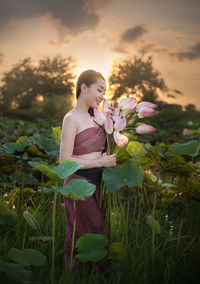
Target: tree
<point x="28" y="89"/>
<point x="136" y="74"/>
<point x="150" y="96"/>
<point x="190" y="107"/>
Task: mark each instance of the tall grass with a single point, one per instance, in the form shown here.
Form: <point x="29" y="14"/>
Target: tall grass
<point x="176" y="250"/>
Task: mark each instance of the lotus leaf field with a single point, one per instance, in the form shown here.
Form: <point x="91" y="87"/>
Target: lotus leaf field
<point x="151" y="200"/>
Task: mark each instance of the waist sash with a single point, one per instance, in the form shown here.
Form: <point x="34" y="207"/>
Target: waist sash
<point x="94" y="174"/>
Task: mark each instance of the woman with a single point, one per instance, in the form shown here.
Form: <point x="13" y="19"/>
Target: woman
<point x="84" y="141"/>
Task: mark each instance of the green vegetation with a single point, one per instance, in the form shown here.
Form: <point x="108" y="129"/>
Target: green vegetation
<point x="153" y="213"/>
<point x="151" y="198"/>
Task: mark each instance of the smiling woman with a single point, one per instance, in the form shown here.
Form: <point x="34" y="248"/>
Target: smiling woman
<point x="83" y="141"/>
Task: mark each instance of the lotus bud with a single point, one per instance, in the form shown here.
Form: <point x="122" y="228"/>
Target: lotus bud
<point x="185" y="131"/>
<point x="146" y="111"/>
<point x="146" y="104"/>
<point x="145" y="129"/>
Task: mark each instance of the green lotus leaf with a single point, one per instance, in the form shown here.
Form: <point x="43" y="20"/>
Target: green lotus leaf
<point x="50" y="146"/>
<point x="153" y="223"/>
<point x="77" y="189"/>
<point x="146" y="162"/>
<point x="67" y="168"/>
<point x="56" y="133"/>
<point x="27" y="179"/>
<point x="45" y="169"/>
<point x="21" y="139"/>
<point x="25" y="276"/>
<point x="91" y="247"/>
<point x="122" y="154"/>
<point x="11" y="147"/>
<point x="7" y="216"/>
<point x="130" y="173"/>
<point x="130" y="136"/>
<point x="136" y="149"/>
<point x="19" y="145"/>
<point x="32" y="150"/>
<point x="57" y="172"/>
<point x="27" y="257"/>
<point x="189" y="148"/>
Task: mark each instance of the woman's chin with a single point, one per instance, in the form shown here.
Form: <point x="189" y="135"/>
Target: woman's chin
<point x="96" y="105"/>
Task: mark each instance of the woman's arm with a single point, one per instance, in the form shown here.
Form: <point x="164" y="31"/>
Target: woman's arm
<point x="69" y="130"/>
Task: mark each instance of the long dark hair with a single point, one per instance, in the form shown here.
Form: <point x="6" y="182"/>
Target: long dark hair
<point x="88" y="77"/>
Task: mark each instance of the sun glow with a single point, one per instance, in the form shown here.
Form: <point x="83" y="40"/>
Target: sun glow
<point x="104" y="71"/>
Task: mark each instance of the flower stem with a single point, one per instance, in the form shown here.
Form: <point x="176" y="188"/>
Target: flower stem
<point x="108" y="143"/>
<point x="73" y="236"/>
<point x="53" y="235"/>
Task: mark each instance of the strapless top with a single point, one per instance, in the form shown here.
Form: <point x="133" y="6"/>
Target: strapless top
<point x="92" y="139"/>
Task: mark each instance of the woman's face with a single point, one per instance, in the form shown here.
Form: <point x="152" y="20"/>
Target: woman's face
<point x="96" y="92"/>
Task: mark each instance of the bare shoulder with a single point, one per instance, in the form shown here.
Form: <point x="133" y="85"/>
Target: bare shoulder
<point x="70" y="123"/>
<point x="68" y="134"/>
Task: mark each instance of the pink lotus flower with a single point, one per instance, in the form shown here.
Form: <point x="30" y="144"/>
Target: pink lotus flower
<point x="108" y="124"/>
<point x="127" y="103"/>
<point x="146" y="111"/>
<point x="120" y="123"/>
<point x="146" y="104"/>
<point x="99" y="117"/>
<point x="120" y="139"/>
<point x="145" y="129"/>
<point x="185" y="131"/>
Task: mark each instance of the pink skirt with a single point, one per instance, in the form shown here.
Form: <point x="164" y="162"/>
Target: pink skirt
<point x="89" y="218"/>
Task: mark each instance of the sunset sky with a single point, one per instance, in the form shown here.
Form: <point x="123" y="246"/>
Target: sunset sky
<point x="98" y="32"/>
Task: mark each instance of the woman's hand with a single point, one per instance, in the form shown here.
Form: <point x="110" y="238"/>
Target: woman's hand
<point x="108" y="160"/>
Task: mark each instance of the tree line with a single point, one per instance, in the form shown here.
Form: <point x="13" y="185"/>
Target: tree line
<point x="46" y="89"/>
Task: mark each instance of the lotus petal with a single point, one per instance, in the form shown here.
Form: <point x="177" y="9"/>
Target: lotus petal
<point x="120" y="139"/>
<point x="99" y="117"/>
<point x="120" y="123"/>
<point x="109" y="124"/>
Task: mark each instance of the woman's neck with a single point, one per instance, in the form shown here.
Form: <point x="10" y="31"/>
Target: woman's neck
<point x="81" y="107"/>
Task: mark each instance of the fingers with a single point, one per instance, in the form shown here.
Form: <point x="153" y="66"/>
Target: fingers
<point x="110" y="160"/>
<point x="113" y="159"/>
<point x="112" y="110"/>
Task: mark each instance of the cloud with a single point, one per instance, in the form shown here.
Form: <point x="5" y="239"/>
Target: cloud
<point x="78" y="16"/>
<point x="150" y="47"/>
<point x="94" y="5"/>
<point x="124" y="42"/>
<point x="133" y="34"/>
<point x="192" y="54"/>
<point x="120" y="49"/>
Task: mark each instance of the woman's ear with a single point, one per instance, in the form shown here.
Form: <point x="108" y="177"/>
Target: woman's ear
<point x="83" y="87"/>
